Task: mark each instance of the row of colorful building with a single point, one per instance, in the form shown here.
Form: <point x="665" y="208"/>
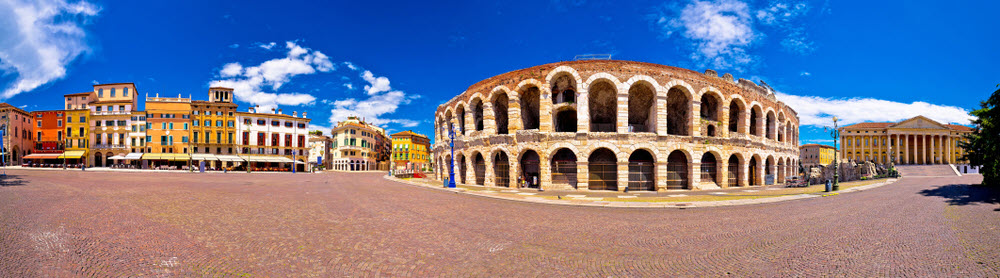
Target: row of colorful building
<point x="105" y="128"/>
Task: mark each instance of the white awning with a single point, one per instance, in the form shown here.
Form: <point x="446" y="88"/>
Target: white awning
<point x="133" y="156"/>
<point x="117" y="157"/>
<point x="231" y="158"/>
<point x="203" y="156"/>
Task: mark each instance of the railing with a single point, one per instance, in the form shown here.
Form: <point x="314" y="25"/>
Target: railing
<point x="603" y="176"/>
<point x="708" y="171"/>
<point x="676" y="176"/>
<point x="501" y="173"/>
<point x="640" y="176"/>
<point x="602" y="127"/>
<point x="564" y="172"/>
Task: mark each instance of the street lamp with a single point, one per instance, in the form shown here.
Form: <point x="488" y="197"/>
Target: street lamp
<point x="451" y="174"/>
<point x="835" y="133"/>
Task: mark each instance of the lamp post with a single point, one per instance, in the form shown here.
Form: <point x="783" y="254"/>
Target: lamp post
<point x="451" y="177"/>
<point x="835" y="133"/>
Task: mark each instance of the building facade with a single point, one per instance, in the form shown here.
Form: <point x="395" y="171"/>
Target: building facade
<point x="816" y="155"/>
<point x="18" y="134"/>
<point x="109" y="121"/>
<point x="273" y="140"/>
<point x="49" y="137"/>
<point x="359" y="146"/>
<point x="410" y="151"/>
<point x="616" y="125"/>
<point x="918" y="140"/>
<point x="319" y="151"/>
<point x="213" y="129"/>
<point x="168" y="127"/>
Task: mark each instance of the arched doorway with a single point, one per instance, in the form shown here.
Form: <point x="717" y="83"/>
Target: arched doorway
<point x="501" y="170"/>
<point x="677" y="171"/>
<point x="531" y="172"/>
<point x="462" y="169"/>
<point x="781" y="171"/>
<point x="754" y="172"/>
<point x="461" y="119"/>
<point x="564" y="167"/>
<point x="500" y="112"/>
<point x="480" y="168"/>
<point x="734" y="174"/>
<point x="755" y="120"/>
<point x="641" y="174"/>
<point x="603" y="106"/>
<point x="563" y="88"/>
<point x="736" y="116"/>
<point x="641" y="113"/>
<point x="769" y="171"/>
<point x="98" y="160"/>
<point x="709" y="168"/>
<point x="529" y="107"/>
<point x="477" y="114"/>
<point x="603" y="168"/>
<point x="678" y="105"/>
<point x="770" y="125"/>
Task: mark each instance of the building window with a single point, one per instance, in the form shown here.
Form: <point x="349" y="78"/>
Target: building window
<point x="100" y="93"/>
<point x="112" y="92"/>
<point x="230" y="123"/>
<point x="218" y="123"/>
<point x="125" y="92"/>
<point x="195" y="124"/>
<point x="274" y="123"/>
<point x="39" y="122"/>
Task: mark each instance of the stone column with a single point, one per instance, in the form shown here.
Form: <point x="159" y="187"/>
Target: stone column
<point x="694" y="119"/>
<point x="934" y="149"/>
<point x="923" y="149"/>
<point x="661" y="112"/>
<point x="661" y="175"/>
<point x="622" y="175"/>
<point x="470" y="122"/>
<point x="582" y="112"/>
<point x="722" y="173"/>
<point x="582" y="175"/>
<point x="545" y="110"/>
<point x="514" y="113"/>
<point x="947" y="148"/>
<point x="694" y="171"/>
<point x="489" y="179"/>
<point x="489" y="120"/>
<point x="909" y="154"/>
<point x="621" y="119"/>
<point x="546" y="173"/>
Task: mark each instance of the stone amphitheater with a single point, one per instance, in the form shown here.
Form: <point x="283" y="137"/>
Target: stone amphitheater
<point x="617" y="126"/>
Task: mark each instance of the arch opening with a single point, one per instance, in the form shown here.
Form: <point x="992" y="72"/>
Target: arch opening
<point x="677" y="170"/>
<point x="709" y="168"/>
<point x="641" y="108"/>
<point x="769" y="171"/>
<point x="736" y="116"/>
<point x="480" y="169"/>
<point x="734" y="174"/>
<point x="755" y="121"/>
<point x="603" y="170"/>
<point x="477" y="114"/>
<point x="564" y="89"/>
<point x="710" y="107"/>
<point x="770" y="125"/>
<point x="564" y="167"/>
<point x="602" y="98"/>
<point x="462" y="169"/>
<point x="641" y="171"/>
<point x="500" y="113"/>
<point x="529" y="107"/>
<point x="531" y="172"/>
<point x="461" y="119"/>
<point x="678" y="107"/>
<point x="754" y="172"/>
<point x="501" y="170"/>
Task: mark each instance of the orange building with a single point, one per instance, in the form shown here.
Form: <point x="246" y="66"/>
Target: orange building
<point x="167" y="130"/>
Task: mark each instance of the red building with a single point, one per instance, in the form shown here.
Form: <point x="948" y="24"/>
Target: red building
<point x="49" y="129"/>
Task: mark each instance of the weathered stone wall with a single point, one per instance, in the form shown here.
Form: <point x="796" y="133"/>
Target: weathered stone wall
<point x="633" y="125"/>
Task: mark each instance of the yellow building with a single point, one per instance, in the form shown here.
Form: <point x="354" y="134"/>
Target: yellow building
<point x="356" y="146"/>
<point x="917" y="140"/>
<point x="816" y="155"/>
<point x="110" y="108"/>
<point x="410" y="151"/>
<point x="77" y="126"/>
<point x="167" y="131"/>
<point x="213" y="126"/>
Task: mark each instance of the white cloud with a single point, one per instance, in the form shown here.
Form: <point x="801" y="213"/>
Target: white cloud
<point x="721" y="31"/>
<point x="377" y="84"/>
<point x="817" y="111"/>
<point x="235" y="45"/>
<point x="267" y="46"/>
<point x="796" y="42"/>
<point x="782" y="12"/>
<point x="249" y="83"/>
<point x="382" y="100"/>
<point x="805" y="73"/>
<point x="349" y="86"/>
<point x="38" y="39"/>
<point x="351" y="65"/>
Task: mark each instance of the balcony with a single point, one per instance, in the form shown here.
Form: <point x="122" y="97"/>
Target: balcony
<point x="110" y="146"/>
<point x="107" y="113"/>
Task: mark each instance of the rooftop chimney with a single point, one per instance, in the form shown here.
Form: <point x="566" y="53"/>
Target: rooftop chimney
<point x="279" y="110"/>
<point x="295" y="114"/>
<point x="303" y="114"/>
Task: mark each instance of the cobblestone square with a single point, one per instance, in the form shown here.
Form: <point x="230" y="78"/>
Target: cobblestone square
<point x="73" y="223"/>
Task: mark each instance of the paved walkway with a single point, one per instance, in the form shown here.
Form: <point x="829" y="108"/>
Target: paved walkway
<point x="345" y="224"/>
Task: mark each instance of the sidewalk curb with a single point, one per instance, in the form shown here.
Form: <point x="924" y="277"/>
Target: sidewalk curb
<point x="675" y="205"/>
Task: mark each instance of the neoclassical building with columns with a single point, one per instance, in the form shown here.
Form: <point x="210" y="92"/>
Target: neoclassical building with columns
<point x="616" y="125"/>
<point x="917" y="140"/>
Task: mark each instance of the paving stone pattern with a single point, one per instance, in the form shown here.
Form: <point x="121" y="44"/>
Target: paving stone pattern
<point x="359" y="224"/>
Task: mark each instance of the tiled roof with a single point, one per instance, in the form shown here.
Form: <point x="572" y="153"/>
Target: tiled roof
<point x="960" y="127"/>
<point x="869" y="125"/>
<point x="815" y="145"/>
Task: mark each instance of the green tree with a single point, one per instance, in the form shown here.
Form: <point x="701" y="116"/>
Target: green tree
<point x="983" y="144"/>
<point x="316" y="132"/>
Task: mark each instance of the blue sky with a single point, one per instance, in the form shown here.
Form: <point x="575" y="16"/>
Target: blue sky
<point x="393" y="63"/>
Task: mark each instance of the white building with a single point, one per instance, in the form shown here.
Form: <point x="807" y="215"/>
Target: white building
<point x="273" y="140"/>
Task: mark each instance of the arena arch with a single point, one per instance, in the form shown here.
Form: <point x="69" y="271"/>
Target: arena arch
<point x="479" y="166"/>
<point x="754" y="169"/>
<point x="462" y="169"/>
<point x="564" y="88"/>
<point x="565" y="120"/>
<point x="710" y="168"/>
<point x="563" y="165"/>
<point x="603" y="106"/>
<point x="678" y="111"/>
<point x="737" y="116"/>
<point x="500" y="101"/>
<point x="736" y="174"/>
<point x="531" y="171"/>
<point x="530" y="105"/>
<point x="641" y="107"/>
<point x="603" y="168"/>
<point x="460" y="110"/>
<point x="755" y="120"/>
<point x="501" y="169"/>
<point x="641" y="171"/>
<point x="677" y="170"/>
<point x="769" y="166"/>
<point x="477" y="114"/>
<point x="770" y="125"/>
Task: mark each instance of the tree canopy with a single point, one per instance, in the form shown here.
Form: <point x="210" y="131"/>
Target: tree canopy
<point x="983" y="144"/>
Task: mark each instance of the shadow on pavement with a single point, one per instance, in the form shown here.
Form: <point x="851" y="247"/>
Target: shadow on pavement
<point x="965" y="194"/>
<point x="12" y="180"/>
